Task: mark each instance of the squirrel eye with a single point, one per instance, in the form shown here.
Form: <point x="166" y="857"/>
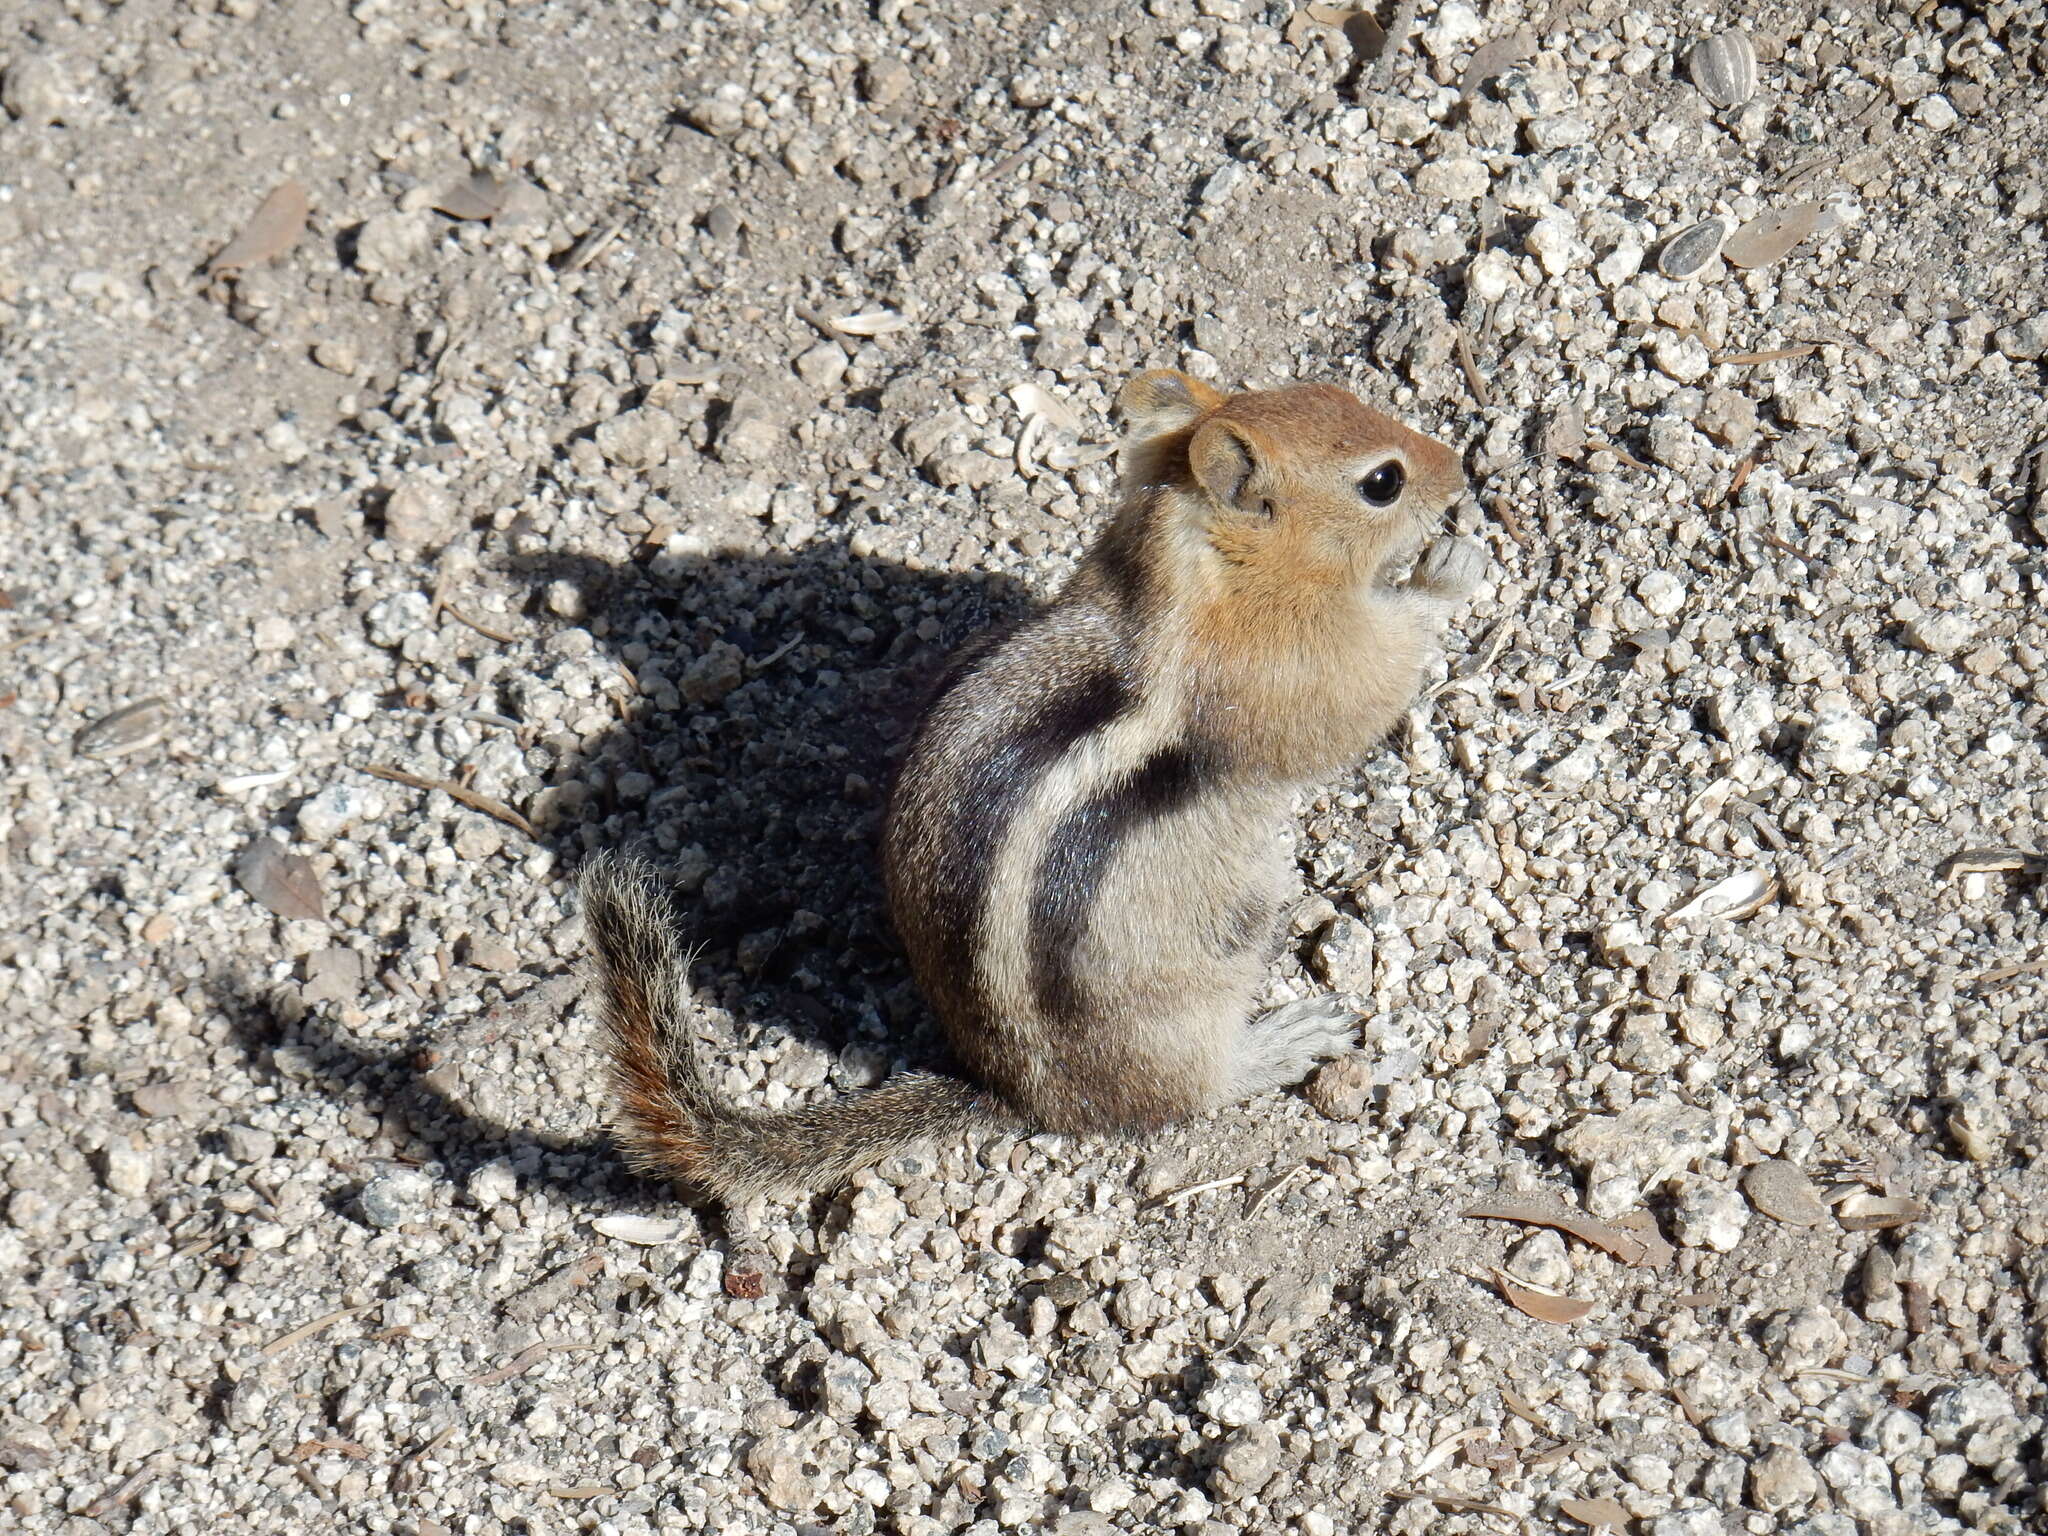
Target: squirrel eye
<point x="1382" y="488"/>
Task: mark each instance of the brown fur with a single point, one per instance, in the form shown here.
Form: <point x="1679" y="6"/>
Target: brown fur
<point x="1080" y="852"/>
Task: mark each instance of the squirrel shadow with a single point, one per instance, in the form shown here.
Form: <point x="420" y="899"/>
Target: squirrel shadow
<point x="771" y="697"/>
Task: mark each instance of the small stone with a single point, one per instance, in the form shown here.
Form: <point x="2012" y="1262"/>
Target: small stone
<point x="34" y="91"/>
<point x="337" y="355"/>
<point x="392" y="620"/>
<point x="1031" y="89"/>
<point x="520" y="1473"/>
<point x="1554" y="242"/>
<point x="753" y="430"/>
<point x="1803" y="1339"/>
<point x="714" y="674"/>
<point x="333" y="975"/>
<point x="1728" y="416"/>
<point x="843" y="1384"/>
<point x="1576" y="769"/>
<point x="1541" y="1260"/>
<point x="721" y="114"/>
<point x="1683" y="358"/>
<point x="390" y="243"/>
<point x="2024" y="341"/>
<point x="1250" y="1459"/>
<point x="1458" y="179"/>
<point x="418" y="514"/>
<point x="723" y="223"/>
<point x="1742" y="715"/>
<point x="271" y="633"/>
<point x="1343" y="955"/>
<point x="822" y="366"/>
<point x="1220" y="183"/>
<point x="488" y="953"/>
<point x="167" y="1100"/>
<point x="1625" y="1156"/>
<point x="1861" y="1480"/>
<point x="788" y="1477"/>
<point x="392" y="1198"/>
<point x="1711" y="1216"/>
<point x="247" y="1144"/>
<point x="1955" y="1417"/>
<point x="1840" y="741"/>
<point x="884" y="82"/>
<point x="1073" y="1240"/>
<point x="1935" y="111"/>
<point x="565" y="600"/>
<point x="1341" y="1089"/>
<point x="1662" y="593"/>
<point x="1232" y="1396"/>
<point x="1782" y="1479"/>
<point x="336" y="808"/>
<point x="127" y="1170"/>
<point x="641" y="438"/>
<point x="1805" y="405"/>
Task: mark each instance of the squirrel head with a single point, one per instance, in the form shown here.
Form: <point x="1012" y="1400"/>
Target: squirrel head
<point x="1297" y="485"/>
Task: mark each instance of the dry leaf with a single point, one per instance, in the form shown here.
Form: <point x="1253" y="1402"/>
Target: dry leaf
<point x="1770" y="236"/>
<point x="1625" y="1246"/>
<point x="124" y="731"/>
<point x="273" y="230"/>
<point x="876" y="322"/>
<point x="643" y="1231"/>
<point x="1739" y="896"/>
<point x="1564" y="436"/>
<point x="477" y="196"/>
<point x="1541" y="1305"/>
<point x="1034" y="401"/>
<point x="1594" y="1512"/>
<point x="1642" y="1226"/>
<point x="1782" y="1190"/>
<point x="1870" y="1213"/>
<point x="1993" y="861"/>
<point x="284" y="882"/>
<point x="1489" y="59"/>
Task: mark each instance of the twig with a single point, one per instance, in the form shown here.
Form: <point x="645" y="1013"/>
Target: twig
<point x="405" y="1476"/>
<point x="1510" y="524"/>
<point x="283" y="1342"/>
<point x="124" y="1490"/>
<point x="1775" y="355"/>
<point x="1737" y="481"/>
<point x="1257" y="1202"/>
<point x="1474" y="380"/>
<point x="1595" y="444"/>
<point x="526" y="1360"/>
<point x="1182" y="1196"/>
<point x="2007" y="973"/>
<point x="454" y="791"/>
<point x="1456" y="1504"/>
<point x="485" y="630"/>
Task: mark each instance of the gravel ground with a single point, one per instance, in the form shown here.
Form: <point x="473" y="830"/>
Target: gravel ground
<point x="637" y="513"/>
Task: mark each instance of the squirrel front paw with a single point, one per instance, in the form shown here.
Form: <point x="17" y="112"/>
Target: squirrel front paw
<point x="1450" y="568"/>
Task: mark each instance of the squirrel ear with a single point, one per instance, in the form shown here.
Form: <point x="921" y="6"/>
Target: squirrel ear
<point x="1222" y="459"/>
<point x="1163" y="401"/>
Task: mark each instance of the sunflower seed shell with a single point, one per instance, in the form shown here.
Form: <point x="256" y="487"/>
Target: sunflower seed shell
<point x="1724" y="68"/>
<point x="1692" y="250"/>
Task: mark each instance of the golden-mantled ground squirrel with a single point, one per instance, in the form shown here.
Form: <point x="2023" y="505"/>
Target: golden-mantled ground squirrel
<point x="1082" y="850"/>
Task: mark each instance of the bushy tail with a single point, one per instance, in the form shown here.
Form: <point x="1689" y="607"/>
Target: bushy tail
<point x="673" y="1126"/>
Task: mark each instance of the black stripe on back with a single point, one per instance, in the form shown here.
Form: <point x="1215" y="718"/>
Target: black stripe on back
<point x="1122" y="565"/>
<point x="1076" y="857"/>
<point x="992" y="789"/>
